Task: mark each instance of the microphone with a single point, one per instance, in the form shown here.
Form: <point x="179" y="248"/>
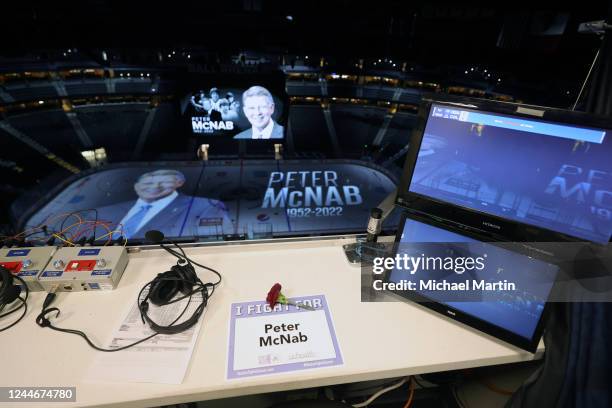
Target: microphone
<point x="374" y="224"/>
<point x="154" y="236"/>
<point x="157" y="237"/>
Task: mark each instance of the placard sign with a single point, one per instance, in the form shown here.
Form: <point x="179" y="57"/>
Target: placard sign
<point x="265" y="340"/>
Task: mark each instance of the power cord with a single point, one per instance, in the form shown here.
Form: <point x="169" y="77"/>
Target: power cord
<point x="381" y="392"/>
<point x="160" y="291"/>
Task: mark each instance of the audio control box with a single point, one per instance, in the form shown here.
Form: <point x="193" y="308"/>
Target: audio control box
<point x="75" y="269"/>
<point x="27" y="263"/>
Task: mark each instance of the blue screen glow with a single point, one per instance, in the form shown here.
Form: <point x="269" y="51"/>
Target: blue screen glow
<point x="549" y="175"/>
<point x="520" y="311"/>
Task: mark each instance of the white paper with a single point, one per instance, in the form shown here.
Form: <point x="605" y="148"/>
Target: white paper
<point x="265" y="340"/>
<point x="249" y="353"/>
<point x="162" y="359"/>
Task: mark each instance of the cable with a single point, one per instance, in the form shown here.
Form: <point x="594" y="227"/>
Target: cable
<point x="495" y="388"/>
<point x="111" y="233"/>
<point x="75" y="213"/>
<point x="190" y="261"/>
<point x="586" y="79"/>
<point x="370" y="387"/>
<point x="379" y="393"/>
<point x="182" y="277"/>
<point x="410" y="393"/>
<point x="24" y="305"/>
<point x="455" y="392"/>
<point x="421" y="385"/>
<point x="63" y="240"/>
<point x="92" y="225"/>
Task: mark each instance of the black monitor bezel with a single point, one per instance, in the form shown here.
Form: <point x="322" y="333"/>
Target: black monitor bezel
<point x="484" y="326"/>
<point x="467" y="218"/>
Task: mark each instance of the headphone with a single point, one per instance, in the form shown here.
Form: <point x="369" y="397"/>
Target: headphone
<point x="180" y="279"/>
<point x="9" y="292"/>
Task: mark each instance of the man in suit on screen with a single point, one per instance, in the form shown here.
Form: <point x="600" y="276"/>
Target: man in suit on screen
<point x="160" y="207"/>
<point x="258" y="107"/>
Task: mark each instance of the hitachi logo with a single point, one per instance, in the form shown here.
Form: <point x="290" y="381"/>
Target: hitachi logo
<point x="451" y="313"/>
<point x="488" y="224"/>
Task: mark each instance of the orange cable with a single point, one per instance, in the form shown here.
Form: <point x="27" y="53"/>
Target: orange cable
<point x="495" y="388"/>
<point x="410" y="393"/>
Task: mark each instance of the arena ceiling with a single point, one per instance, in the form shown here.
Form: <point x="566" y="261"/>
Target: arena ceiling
<point x="529" y="37"/>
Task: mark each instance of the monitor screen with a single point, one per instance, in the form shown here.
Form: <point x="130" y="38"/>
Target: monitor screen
<point x="518" y="312"/>
<point x="550" y="175"/>
<point x="250" y="113"/>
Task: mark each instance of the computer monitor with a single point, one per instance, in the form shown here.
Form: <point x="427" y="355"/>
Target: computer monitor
<point x="517" y="172"/>
<point x="514" y="316"/>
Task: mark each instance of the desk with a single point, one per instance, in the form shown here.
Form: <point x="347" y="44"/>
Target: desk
<point x="378" y="340"/>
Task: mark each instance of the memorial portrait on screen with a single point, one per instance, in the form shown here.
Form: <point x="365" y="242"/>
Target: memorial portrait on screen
<point x="160" y="205"/>
<point x="258" y="107"/>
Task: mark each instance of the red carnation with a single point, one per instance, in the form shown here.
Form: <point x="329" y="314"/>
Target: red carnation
<point x="274" y="294"/>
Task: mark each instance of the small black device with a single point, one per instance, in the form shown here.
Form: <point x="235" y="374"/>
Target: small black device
<point x="9" y="293"/>
<point x="374" y="224"/>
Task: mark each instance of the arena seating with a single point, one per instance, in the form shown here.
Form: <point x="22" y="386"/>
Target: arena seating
<point x="309" y="130"/>
<point x="116" y="126"/>
<point x="356" y="127"/>
<point x="85" y="87"/>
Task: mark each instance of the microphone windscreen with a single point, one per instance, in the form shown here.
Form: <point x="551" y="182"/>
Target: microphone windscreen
<point x="154" y="236"/>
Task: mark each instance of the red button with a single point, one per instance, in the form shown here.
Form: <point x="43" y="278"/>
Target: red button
<point x="80" y="266"/>
<point x="14" y="267"/>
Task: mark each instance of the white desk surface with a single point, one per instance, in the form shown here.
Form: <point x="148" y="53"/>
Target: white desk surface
<point x="377" y="340"/>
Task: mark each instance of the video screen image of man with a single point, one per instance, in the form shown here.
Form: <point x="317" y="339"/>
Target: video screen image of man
<point x="258" y="107"/>
<point x="160" y="206"/>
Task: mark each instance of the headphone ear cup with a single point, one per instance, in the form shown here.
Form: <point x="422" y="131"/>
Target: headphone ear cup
<point x="185" y="275"/>
<point x="164" y="288"/>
